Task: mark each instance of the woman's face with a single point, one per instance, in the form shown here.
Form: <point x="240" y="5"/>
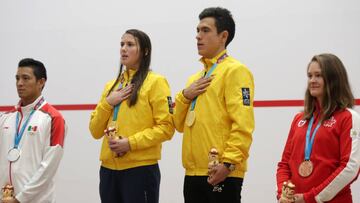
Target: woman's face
<point x="130" y="52"/>
<point x="316" y="83"/>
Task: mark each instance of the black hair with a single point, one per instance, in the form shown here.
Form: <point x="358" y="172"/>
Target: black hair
<point x="223" y="21"/>
<point x="37" y="67"/>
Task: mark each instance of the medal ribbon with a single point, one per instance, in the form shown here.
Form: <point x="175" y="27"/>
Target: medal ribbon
<point x="18" y="134"/>
<point x="117" y="107"/>
<point x="310" y="138"/>
<point x="206" y="75"/>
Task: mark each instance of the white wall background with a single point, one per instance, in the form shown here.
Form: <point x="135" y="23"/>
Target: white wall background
<point x="79" y="43"/>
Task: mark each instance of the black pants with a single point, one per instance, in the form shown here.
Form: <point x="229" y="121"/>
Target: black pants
<point x="135" y="185"/>
<point x="198" y="190"/>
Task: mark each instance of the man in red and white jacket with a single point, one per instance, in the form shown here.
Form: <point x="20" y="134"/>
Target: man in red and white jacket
<point x="31" y="139"/>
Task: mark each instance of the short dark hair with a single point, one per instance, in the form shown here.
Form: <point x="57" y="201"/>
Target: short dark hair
<point x="37" y="66"/>
<point x="223" y="21"/>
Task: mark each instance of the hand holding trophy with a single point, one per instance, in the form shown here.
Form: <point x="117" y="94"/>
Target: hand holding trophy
<point x="287" y="192"/>
<point x="213" y="162"/>
<point x="110" y="132"/>
<point x="7" y="193"/>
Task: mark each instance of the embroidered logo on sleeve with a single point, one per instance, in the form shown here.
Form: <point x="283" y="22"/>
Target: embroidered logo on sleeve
<point x="170" y="104"/>
<point x="301" y="123"/>
<point x="246" y="96"/>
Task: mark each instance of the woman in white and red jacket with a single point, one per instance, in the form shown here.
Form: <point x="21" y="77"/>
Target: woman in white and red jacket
<point x="322" y="153"/>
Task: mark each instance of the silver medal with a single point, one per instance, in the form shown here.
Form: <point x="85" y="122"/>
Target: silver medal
<point x="13" y="154"/>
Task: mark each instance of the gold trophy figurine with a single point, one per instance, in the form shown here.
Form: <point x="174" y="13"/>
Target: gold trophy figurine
<point x="110" y="132"/>
<point x="213" y="162"/>
<point x="288" y="191"/>
<point x="213" y="158"/>
<point x="7" y="193"/>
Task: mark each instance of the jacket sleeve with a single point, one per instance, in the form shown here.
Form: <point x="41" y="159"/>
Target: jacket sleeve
<point x="283" y="170"/>
<point x="163" y="128"/>
<point x="348" y="169"/>
<point x="239" y="97"/>
<point x="100" y="116"/>
<point x="50" y="162"/>
<point x="181" y="108"/>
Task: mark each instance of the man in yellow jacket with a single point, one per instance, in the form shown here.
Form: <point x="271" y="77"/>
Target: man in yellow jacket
<point x="215" y="112"/>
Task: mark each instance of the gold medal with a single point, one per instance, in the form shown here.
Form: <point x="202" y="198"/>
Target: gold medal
<point x="306" y="168"/>
<point x="190" y="118"/>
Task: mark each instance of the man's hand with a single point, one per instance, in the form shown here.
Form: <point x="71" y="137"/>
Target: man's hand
<point x="196" y="88"/>
<point x="218" y="174"/>
<point x="119" y="95"/>
<point x="14" y="200"/>
<point x="119" y="146"/>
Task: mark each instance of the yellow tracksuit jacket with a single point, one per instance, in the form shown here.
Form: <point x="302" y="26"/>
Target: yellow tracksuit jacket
<point x="146" y="124"/>
<point x="224" y="118"/>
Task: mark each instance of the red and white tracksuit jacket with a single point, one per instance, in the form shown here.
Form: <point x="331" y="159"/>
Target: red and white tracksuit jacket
<point x="32" y="175"/>
<point x="335" y="156"/>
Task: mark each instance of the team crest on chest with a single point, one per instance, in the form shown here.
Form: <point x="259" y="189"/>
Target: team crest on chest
<point x="301" y="123"/>
<point x="330" y="122"/>
<point x="32" y="130"/>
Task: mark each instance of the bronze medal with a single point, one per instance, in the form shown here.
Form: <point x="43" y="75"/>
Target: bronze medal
<point x="190" y="118"/>
<point x="306" y="168"/>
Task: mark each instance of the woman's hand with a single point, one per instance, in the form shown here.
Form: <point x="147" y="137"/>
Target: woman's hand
<point x="119" y="146"/>
<point x="119" y="95"/>
<point x="299" y="198"/>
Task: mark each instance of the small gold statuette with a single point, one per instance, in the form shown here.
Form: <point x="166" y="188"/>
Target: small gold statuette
<point x="213" y="162"/>
<point x="110" y="132"/>
<point x="288" y="191"/>
<point x="306" y="168"/>
<point x="190" y="118"/>
<point x="213" y="158"/>
<point x="7" y="193"/>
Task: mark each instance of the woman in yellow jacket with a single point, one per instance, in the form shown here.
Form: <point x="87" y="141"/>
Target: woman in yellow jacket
<point x="138" y="106"/>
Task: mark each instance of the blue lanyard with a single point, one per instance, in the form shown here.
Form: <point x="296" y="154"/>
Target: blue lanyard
<point x="309" y="142"/>
<point x="117" y="107"/>
<point x="20" y="134"/>
<point x="208" y="74"/>
<point x="193" y="102"/>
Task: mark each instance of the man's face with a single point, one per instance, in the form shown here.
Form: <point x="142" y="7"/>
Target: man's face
<point x="27" y="86"/>
<point x="209" y="42"/>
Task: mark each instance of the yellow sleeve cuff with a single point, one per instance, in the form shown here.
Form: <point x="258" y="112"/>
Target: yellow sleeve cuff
<point x="105" y="105"/>
<point x="132" y="142"/>
<point x="182" y="98"/>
